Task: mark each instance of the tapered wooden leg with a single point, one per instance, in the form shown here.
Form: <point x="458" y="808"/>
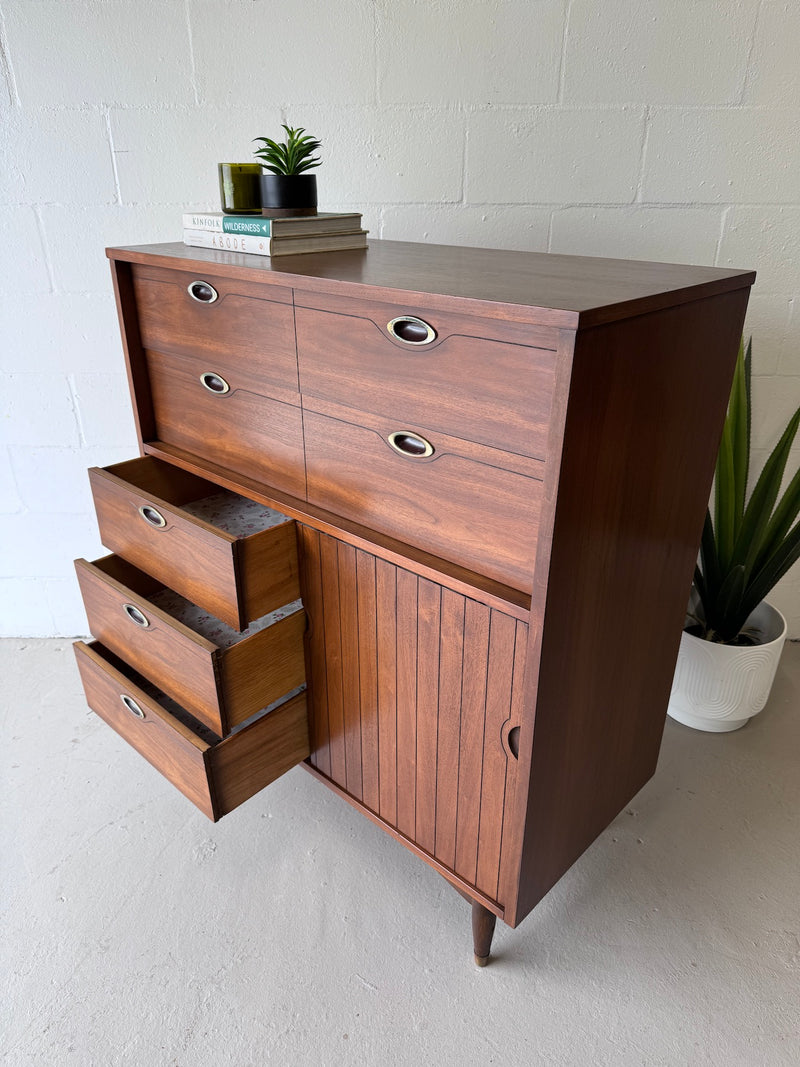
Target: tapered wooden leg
<point x="483" y="922"/>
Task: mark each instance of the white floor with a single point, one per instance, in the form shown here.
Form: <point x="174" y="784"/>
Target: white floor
<point x="295" y="932"/>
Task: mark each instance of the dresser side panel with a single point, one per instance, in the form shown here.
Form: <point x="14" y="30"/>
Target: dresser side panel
<point x="135" y="361"/>
<point x="647" y="401"/>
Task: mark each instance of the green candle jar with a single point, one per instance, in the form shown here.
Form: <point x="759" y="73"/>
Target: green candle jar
<point x="239" y="188"/>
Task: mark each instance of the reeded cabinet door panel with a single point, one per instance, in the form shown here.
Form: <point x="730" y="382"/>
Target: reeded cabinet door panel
<point x="414" y="690"/>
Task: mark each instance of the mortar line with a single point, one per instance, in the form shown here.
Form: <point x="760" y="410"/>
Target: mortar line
<point x="6" y="66"/>
<point x="76" y="411"/>
<point x="51" y="274"/>
<point x="723" y="219"/>
<point x="376" y="86"/>
<point x="637" y="197"/>
<point x="562" y="61"/>
<point x="750" y="50"/>
<point x="112" y="150"/>
<point x="464" y="156"/>
<point x="192" y="65"/>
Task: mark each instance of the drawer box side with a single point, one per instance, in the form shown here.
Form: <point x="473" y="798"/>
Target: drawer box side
<point x="247" y="761"/>
<point x="269" y="570"/>
<point x="262" y="670"/>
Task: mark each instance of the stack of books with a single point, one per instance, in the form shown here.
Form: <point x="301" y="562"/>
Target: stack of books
<point x="258" y="235"/>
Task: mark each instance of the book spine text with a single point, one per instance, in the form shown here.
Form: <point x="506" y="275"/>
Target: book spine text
<point x="227" y="242"/>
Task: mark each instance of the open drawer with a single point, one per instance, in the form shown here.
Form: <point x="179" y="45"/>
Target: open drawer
<point x="220" y="675"/>
<point x="217" y="776"/>
<point x="231" y="556"/>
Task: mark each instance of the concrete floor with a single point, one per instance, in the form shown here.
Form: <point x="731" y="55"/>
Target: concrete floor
<point x="295" y="932"/>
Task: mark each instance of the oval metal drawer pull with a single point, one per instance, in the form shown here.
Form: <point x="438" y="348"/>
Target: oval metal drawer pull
<point x="152" y="516"/>
<point x="131" y="705"/>
<point x="136" y="616"/>
<point x="215" y="383"/>
<point x="411" y="330"/>
<point x="410" y="444"/>
<point x="202" y="292"/>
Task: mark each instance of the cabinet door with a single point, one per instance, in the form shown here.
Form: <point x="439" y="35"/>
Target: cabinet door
<point x="414" y="690"/>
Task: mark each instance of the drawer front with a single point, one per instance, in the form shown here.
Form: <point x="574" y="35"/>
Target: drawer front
<point x="216" y="776"/>
<point x="155" y="647"/>
<point x="220" y="686"/>
<point x="169" y="745"/>
<point x="468" y="381"/>
<point x="227" y="420"/>
<point x="457" y="503"/>
<point x="192" y="559"/>
<point x="237" y="322"/>
<point x="236" y="580"/>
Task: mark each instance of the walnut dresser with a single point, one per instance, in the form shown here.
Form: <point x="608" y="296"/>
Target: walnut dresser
<point x="421" y="518"/>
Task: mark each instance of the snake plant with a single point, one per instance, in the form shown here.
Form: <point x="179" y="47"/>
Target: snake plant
<point x="292" y="156"/>
<point x="752" y="542"/>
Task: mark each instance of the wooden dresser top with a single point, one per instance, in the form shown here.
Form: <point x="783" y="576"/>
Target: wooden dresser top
<point x="555" y="290"/>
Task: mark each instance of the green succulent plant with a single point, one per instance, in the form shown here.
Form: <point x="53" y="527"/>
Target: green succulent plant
<point x="292" y="156"/>
<point x="752" y="542"/>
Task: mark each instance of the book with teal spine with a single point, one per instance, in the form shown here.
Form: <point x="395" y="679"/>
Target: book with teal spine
<point x="262" y="226"/>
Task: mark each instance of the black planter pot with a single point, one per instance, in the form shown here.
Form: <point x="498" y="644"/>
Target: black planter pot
<point x="288" y="194"/>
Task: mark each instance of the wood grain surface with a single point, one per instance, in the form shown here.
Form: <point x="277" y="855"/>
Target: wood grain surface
<point x="248" y="325"/>
<point x="197" y="560"/>
<point x="477" y="514"/>
<point x="451" y="323"/>
<point x="445" y="571"/>
<point x="135" y="367"/>
<point x="166" y="743"/>
<point x="465" y="383"/>
<point x="248" y="761"/>
<point x="242" y="428"/>
<point x="172" y="656"/>
<point x="220" y="686"/>
<point x="538" y="287"/>
<point x="438" y="677"/>
<point x="640" y="444"/>
<point x="216" y="777"/>
<point x="492" y="628"/>
<point x="186" y="556"/>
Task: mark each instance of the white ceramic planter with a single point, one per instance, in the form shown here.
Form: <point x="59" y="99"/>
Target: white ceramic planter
<point x="721" y="687"/>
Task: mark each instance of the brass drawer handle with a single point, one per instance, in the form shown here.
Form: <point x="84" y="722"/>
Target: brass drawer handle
<point x="215" y="383"/>
<point x="406" y="443"/>
<point x="136" y="616"/>
<point x="411" y="330"/>
<point x="202" y="292"/>
<point x="152" y="516"/>
<point x="131" y="705"/>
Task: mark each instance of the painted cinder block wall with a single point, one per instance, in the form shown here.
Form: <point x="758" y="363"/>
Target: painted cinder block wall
<point x="631" y="128"/>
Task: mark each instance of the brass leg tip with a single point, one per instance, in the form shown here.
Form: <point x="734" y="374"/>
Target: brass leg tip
<point x="481" y="961"/>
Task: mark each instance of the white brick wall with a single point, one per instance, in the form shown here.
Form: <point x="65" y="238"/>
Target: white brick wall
<point x="632" y="128"/>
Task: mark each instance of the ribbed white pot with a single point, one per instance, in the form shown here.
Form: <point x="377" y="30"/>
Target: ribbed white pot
<point x="721" y="687"/>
